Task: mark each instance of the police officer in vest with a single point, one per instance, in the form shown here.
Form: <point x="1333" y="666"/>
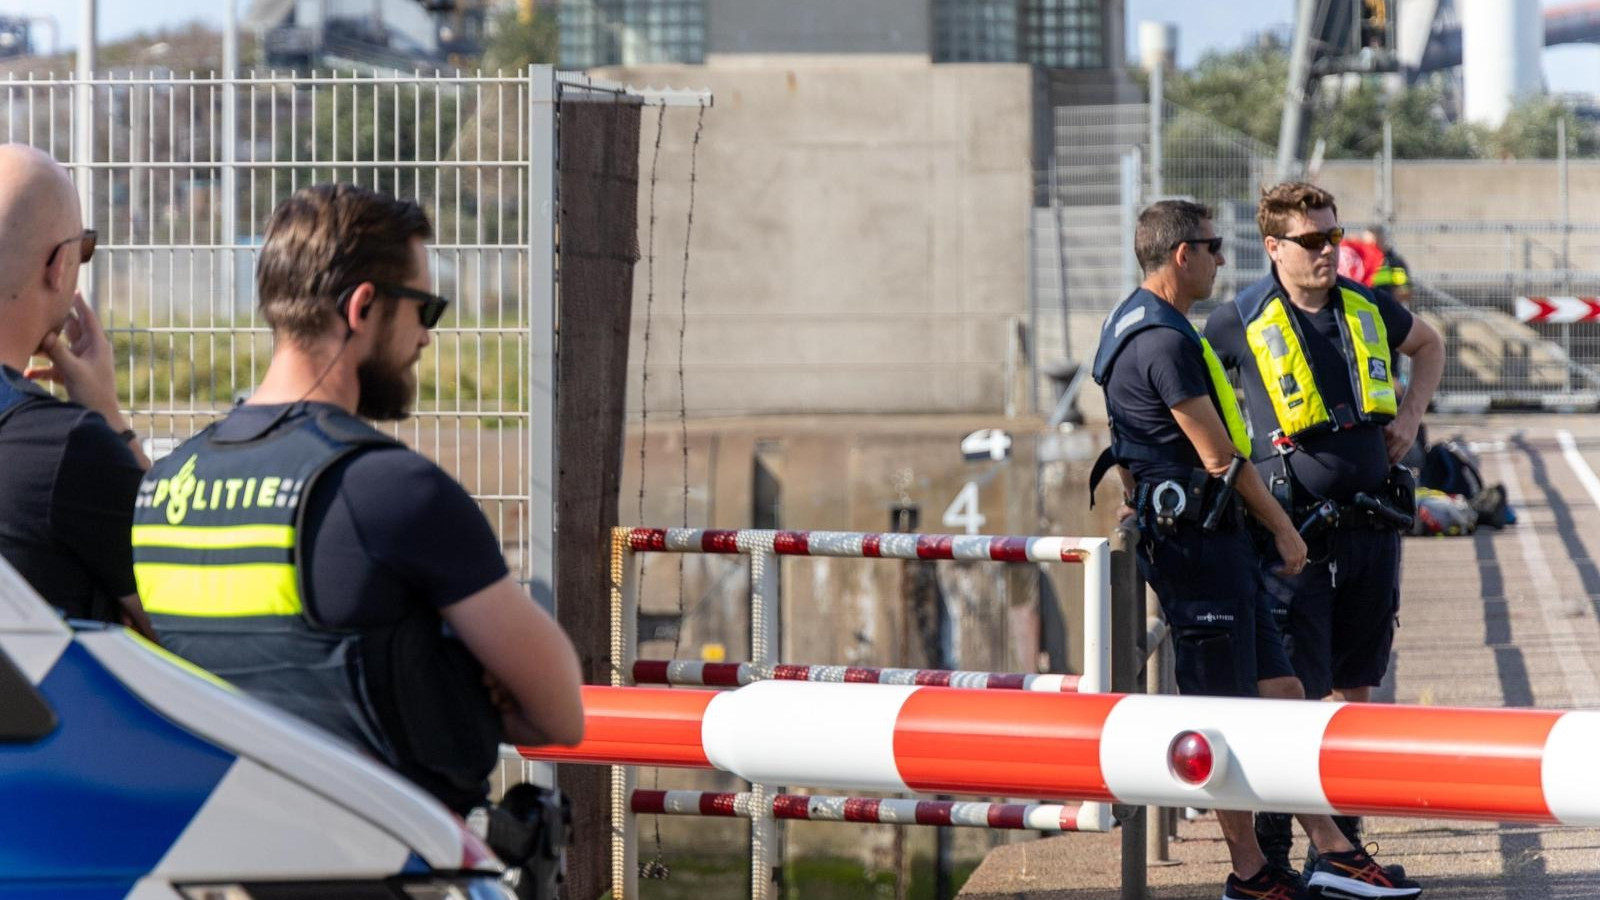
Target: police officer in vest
<point x="1179" y="445"/>
<point x="322" y="566"/>
<point x="1316" y="357"/>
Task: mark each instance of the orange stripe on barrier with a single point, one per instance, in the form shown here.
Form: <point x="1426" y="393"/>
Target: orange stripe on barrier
<point x="1464" y="763"/>
<point x="637" y="726"/>
<point x="995" y="742"/>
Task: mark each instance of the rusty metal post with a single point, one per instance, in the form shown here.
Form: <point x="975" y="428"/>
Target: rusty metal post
<point x="1128" y="654"/>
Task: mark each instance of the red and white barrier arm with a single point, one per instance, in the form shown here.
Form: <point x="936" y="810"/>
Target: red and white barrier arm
<point x="1219" y="753"/>
<point x="1029" y="816"/>
<point x="692" y="672"/>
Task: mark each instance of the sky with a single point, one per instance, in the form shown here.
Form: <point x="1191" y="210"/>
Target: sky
<point x="1222" y="25"/>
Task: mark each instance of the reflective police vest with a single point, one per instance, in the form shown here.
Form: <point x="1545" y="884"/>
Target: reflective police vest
<point x="1273" y="334"/>
<point x="1143" y="310"/>
<point x="217" y="552"/>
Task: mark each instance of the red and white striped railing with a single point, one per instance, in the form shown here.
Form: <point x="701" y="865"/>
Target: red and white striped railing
<point x="763" y="547"/>
<point x="1289" y="756"/>
<point x="815" y="808"/>
<point x="863" y="545"/>
<point x="706" y="674"/>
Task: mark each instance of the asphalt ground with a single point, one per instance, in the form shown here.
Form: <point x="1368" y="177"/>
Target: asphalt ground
<point x="1499" y="619"/>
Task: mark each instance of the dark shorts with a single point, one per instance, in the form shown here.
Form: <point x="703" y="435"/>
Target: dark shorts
<point x="1217" y="607"/>
<point x="1337" y="615"/>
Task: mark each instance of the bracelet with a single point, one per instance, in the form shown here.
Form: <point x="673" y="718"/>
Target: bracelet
<point x="128" y="435"/>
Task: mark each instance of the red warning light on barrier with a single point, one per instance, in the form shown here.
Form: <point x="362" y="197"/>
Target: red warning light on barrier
<point x="1191" y="758"/>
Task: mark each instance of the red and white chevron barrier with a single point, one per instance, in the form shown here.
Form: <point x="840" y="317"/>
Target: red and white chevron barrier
<point x="1219" y="753"/>
<point x="1557" y="310"/>
<point x="692" y="672"/>
<point x="1028" y="816"/>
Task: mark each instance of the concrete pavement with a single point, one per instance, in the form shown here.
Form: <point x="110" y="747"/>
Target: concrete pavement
<point x="1504" y="618"/>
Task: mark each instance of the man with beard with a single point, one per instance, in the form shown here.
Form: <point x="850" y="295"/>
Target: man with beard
<point x="322" y="566"/>
<point x="71" y="467"/>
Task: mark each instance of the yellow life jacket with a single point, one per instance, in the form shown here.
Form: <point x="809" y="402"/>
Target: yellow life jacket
<point x="1286" y="371"/>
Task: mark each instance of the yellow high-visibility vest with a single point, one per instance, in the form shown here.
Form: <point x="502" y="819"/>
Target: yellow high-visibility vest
<point x="1291" y="382"/>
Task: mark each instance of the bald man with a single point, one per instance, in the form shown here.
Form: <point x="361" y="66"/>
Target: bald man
<point x="70" y="469"/>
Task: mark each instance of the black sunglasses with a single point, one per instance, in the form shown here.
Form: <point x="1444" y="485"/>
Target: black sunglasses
<point x="86" y="242"/>
<point x="1315" y="240"/>
<point x="433" y="305"/>
<point x="1213" y="244"/>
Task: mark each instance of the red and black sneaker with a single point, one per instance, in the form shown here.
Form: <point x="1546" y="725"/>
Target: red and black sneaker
<point x="1271" y="883"/>
<point x="1355" y="875"/>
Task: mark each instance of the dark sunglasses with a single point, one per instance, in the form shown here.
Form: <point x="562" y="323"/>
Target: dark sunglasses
<point x="1213" y="244"/>
<point x="86" y="243"/>
<point x="1315" y="240"/>
<point x="433" y="305"/>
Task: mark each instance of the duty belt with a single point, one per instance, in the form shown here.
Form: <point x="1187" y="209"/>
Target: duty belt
<point x="1200" y="500"/>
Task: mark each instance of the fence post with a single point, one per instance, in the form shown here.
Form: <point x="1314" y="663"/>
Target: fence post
<point x="1127" y="666"/>
<point x="766" y="852"/>
<point x="624" y="647"/>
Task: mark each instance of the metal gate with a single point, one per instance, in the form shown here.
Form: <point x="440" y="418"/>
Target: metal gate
<point x="183" y="174"/>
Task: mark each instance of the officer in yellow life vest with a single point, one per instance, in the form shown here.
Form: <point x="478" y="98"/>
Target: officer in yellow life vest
<point x="1178" y="443"/>
<point x="1316" y="359"/>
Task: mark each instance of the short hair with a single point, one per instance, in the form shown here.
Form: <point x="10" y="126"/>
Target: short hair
<point x="1164" y="225"/>
<point x="325" y="239"/>
<point x="1281" y="202"/>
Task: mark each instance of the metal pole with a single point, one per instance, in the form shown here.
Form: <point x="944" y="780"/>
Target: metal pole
<point x="541" y="560"/>
<point x="1158" y="105"/>
<point x="1294" y="94"/>
<point x="1127" y="664"/>
<point x="1386" y="168"/>
<point x="766" y="852"/>
<point x="230" y="130"/>
<point x="1130" y="213"/>
<point x="83" y="137"/>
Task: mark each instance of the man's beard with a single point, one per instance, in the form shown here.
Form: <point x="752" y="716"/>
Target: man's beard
<point x="386" y="391"/>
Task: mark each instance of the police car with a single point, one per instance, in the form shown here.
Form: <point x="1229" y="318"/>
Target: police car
<point x="127" y="773"/>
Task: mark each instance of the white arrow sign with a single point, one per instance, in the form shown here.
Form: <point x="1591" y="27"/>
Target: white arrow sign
<point x="1558" y="310"/>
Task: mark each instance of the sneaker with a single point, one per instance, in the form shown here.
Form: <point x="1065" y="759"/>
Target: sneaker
<point x="1271" y="883"/>
<point x="1355" y="875"/>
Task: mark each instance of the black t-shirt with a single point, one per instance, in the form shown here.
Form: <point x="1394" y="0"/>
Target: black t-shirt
<point x="1158" y="369"/>
<point x="385" y="530"/>
<point x="67" y="486"/>
<point x="1333" y="465"/>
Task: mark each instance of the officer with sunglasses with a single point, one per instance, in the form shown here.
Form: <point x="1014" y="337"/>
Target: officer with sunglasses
<point x="1179" y="445"/>
<point x="69" y="469"/>
<point x="322" y="566"/>
<point x="1316" y="357"/>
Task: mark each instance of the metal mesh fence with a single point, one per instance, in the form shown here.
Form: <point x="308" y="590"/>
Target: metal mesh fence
<point x="180" y="199"/>
<point x="1109" y="162"/>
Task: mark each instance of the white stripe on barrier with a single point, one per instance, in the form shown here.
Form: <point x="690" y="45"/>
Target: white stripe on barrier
<point x="770" y="733"/>
<point x="970" y="548"/>
<point x="1571" y="789"/>
<point x="1280" y="752"/>
<point x="836" y="543"/>
<point x="1046" y="684"/>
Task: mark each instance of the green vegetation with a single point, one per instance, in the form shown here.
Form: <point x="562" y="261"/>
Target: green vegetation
<point x="171" y="367"/>
<point x="519" y="43"/>
<point x="1243" y="90"/>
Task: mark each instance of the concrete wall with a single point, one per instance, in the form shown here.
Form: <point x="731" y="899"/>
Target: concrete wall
<point x="818" y="26"/>
<point x="859" y="238"/>
<point x="1468" y="192"/>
